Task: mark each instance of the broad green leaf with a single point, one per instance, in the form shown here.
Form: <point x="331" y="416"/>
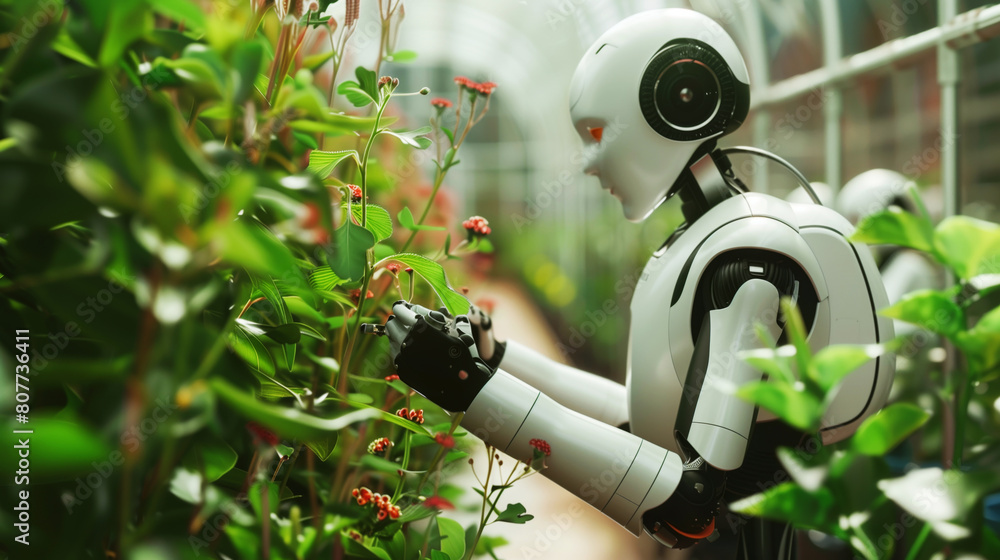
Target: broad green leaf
<point x="314" y="61"/>
<point x="930" y="309"/>
<point x="405" y="218"/>
<point x="452" y="537"/>
<point x="248" y="347"/>
<point x="879" y="434"/>
<point x="944" y="498"/>
<point x="808" y="470"/>
<point x="981" y="343"/>
<point x="350" y="253"/>
<point x="66" y="46"/>
<point x="285" y="421"/>
<point x="403" y="56"/>
<point x="797" y="408"/>
<point x="127" y="22"/>
<point x="414" y="138"/>
<point x="65" y="447"/>
<point x="322" y="163"/>
<point x="181" y="11"/>
<point x="266" y="286"/>
<point x="968" y="246"/>
<point x="434" y="274"/>
<point x="792" y="503"/>
<point x="323" y="447"/>
<point x="282" y="334"/>
<point x="357" y="96"/>
<point x="324" y="278"/>
<point x="832" y="364"/>
<point x="776" y="363"/>
<point x="210" y="455"/>
<point x="257" y="493"/>
<point x="355" y="549"/>
<point x="300" y="307"/>
<point x="186" y="484"/>
<point x="378" y="220"/>
<point x="896" y="227"/>
<point x="368" y="81"/>
<point x="797" y="334"/>
<point x="246" y="65"/>
<point x="515" y="513"/>
<point x="250" y="245"/>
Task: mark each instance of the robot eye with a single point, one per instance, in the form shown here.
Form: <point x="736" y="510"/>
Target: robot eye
<point x="596" y="133"/>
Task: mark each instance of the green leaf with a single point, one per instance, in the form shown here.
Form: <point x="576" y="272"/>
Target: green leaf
<point x="65" y="447"/>
<point x="434" y="274"/>
<point x="246" y="65"/>
<point x="322" y="163"/>
<point x="413" y="138"/>
<point x="403" y="56"/>
<point x="981" y="344"/>
<point x="256" y="495"/>
<point x="943" y="498"/>
<point x="266" y="286"/>
<point x="249" y="244"/>
<point x="186" y="485"/>
<point x="879" y="434"/>
<point x="797" y="408"/>
<point x="806" y="469"/>
<point x="357" y="96"/>
<point x="930" y="309"/>
<point x="181" y="11"/>
<point x="314" y="61"/>
<point x="452" y="537"/>
<point x="127" y="22"/>
<point x="378" y="220"/>
<point x="248" y="347"/>
<point x="282" y="334"/>
<point x="406" y="220"/>
<point x="324" y="278"/>
<point x="896" y="227"/>
<point x="210" y="455"/>
<point x="66" y="46"/>
<point x="832" y="364"/>
<point x="350" y="254"/>
<point x="792" y="503"/>
<point x="968" y="246"/>
<point x="286" y="422"/>
<point x="797" y="334"/>
<point x="515" y="513"/>
<point x="368" y="81"/>
<point x="776" y="363"/>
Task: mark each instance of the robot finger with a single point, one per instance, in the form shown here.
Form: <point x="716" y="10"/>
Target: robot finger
<point x="403" y="314"/>
<point x="397" y="330"/>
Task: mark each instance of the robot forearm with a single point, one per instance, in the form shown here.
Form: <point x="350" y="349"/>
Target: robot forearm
<point x="618" y="473"/>
<point x="586" y="393"/>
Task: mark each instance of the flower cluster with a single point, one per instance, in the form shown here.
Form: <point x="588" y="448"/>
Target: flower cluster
<point x="388" y="80"/>
<point x="482" y="88"/>
<point x="365" y="496"/>
<point x="441" y="103"/>
<point x="394" y="267"/>
<point x="262" y="434"/>
<point x="444" y="440"/>
<point x="541" y="445"/>
<point x="437" y="502"/>
<point x="392" y="377"/>
<point x="355" y="193"/>
<point x="379" y="445"/>
<point x="356" y="295"/>
<point x="477" y="225"/>
<point x="415" y="415"/>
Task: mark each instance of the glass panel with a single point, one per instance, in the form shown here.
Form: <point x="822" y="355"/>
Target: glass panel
<point x="870" y="23"/>
<point x="979" y="131"/>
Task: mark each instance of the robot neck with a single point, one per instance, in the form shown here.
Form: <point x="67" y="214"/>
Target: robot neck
<point x="704" y="183"/>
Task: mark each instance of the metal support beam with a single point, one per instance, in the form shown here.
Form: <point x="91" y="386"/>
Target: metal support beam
<point x="948" y="76"/>
<point x="957" y="32"/>
<point x="833" y="105"/>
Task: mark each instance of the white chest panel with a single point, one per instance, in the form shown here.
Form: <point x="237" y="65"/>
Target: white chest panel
<point x="845" y="280"/>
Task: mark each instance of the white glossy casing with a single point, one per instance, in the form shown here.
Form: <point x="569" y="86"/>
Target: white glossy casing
<point x="844" y="278"/>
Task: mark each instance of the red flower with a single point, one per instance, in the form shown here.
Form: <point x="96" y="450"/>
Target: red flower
<point x="379" y="445"/>
<point x="394" y="267"/>
<point x="464" y="82"/>
<point x="392" y="377"/>
<point x="437" y="502"/>
<point x="415" y="415"/>
<point x="356" y="295"/>
<point x="485" y="88"/>
<point x="477" y="225"/>
<point x="355" y="193"/>
<point x="262" y="434"/>
<point x="541" y="445"/>
<point x="445" y="440"/>
<point x="382" y="502"/>
<point x="388" y="80"/>
<point x="441" y="103"/>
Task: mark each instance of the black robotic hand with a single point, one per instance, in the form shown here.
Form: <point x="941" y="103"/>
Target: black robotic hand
<point x="436" y="355"/>
<point x="490" y="349"/>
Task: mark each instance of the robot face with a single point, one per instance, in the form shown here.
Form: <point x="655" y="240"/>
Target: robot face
<point x="647" y="94"/>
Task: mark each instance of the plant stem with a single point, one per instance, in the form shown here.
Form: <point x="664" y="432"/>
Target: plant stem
<point x="438" y="179"/>
<point x="963" y="394"/>
<point x="919" y="542"/>
<point x="455" y="421"/>
<point x="405" y="464"/>
<point x="483" y="514"/>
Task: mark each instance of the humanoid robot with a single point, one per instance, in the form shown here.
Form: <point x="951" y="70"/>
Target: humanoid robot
<point x="661" y="453"/>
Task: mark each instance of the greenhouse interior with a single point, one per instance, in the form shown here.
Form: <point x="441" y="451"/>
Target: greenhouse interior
<point x="508" y="279"/>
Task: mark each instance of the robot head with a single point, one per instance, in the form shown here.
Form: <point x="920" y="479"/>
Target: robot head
<point x="649" y="95"/>
<point x="873" y="191"/>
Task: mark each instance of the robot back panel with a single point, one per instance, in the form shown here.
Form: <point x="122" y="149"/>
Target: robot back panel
<point x="838" y="289"/>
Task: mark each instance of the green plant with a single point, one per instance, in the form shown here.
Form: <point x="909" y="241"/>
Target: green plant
<point x="848" y="489"/>
<point x="186" y="233"/>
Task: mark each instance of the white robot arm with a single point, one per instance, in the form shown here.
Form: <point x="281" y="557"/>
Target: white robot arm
<point x="636" y="483"/>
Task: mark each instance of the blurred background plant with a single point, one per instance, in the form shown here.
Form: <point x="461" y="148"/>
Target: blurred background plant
<point x="187" y="229"/>
<point x="877" y="491"/>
